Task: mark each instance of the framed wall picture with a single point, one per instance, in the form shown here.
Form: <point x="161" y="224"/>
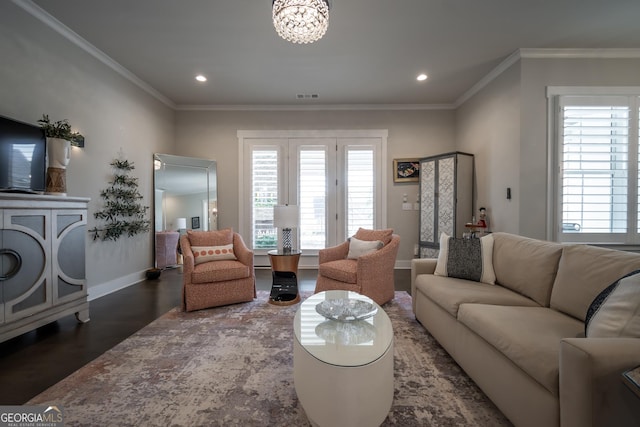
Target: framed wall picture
<point x="406" y="170"/>
<point x="195" y="222"/>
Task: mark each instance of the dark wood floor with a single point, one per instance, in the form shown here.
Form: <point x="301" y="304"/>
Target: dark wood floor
<point x="34" y="361"/>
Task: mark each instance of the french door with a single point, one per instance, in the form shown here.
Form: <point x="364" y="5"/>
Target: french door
<point x="335" y="177"/>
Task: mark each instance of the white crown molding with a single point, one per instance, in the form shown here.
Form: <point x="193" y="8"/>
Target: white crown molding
<point x="327" y="107"/>
<point x="493" y="74"/>
<point x="625" y="53"/>
<point x="530" y="53"/>
<point x="37" y="12"/>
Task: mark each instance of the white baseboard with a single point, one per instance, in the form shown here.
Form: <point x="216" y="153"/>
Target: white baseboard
<point x="107" y="288"/>
<point x="403" y="264"/>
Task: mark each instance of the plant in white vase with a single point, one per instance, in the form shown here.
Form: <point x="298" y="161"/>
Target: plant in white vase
<point x="60" y="137"/>
<point x="60" y="129"/>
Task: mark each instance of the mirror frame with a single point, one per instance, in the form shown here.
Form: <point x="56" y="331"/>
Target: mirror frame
<point x="208" y="167"/>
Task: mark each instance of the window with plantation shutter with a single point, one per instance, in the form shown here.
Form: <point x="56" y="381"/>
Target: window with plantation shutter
<point x="597" y="169"/>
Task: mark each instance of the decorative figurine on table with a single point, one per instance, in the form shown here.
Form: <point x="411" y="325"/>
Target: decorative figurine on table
<point x="480" y="228"/>
<point x="484" y="220"/>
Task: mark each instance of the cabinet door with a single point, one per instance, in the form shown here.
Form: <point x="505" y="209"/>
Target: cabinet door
<point x="446" y="176"/>
<point x="28" y="290"/>
<point x="68" y="243"/>
<point x="428" y="202"/>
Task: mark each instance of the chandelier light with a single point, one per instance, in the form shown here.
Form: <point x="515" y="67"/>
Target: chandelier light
<point x="301" y="21"/>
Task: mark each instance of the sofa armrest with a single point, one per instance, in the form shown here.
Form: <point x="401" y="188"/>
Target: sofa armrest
<point x="421" y="266"/>
<point x="592" y="392"/>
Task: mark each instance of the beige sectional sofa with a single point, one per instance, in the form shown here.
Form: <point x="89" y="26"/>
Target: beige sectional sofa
<point x="523" y="341"/>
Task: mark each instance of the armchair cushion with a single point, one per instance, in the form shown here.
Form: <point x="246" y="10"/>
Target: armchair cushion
<point x="343" y="270"/>
<point x="212" y="253"/>
<point x="358" y="247"/>
<point x="383" y="235"/>
<point x="211" y="238"/>
<point x="219" y="271"/>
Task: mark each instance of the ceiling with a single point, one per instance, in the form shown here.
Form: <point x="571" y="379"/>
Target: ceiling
<point x="370" y="55"/>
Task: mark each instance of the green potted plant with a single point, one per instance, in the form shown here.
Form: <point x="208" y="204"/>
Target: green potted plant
<point x="60" y="129"/>
<point x="60" y="138"/>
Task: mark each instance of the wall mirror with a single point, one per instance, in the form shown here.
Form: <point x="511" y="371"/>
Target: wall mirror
<point x="185" y="197"/>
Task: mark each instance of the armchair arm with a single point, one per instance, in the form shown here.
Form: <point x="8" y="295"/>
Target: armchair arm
<point x="241" y="251"/>
<point x="377" y="268"/>
<point x="188" y="260"/>
<point x="333" y="253"/>
<point x="592" y="392"/>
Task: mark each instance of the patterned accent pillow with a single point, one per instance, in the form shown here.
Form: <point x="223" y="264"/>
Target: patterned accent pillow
<point x="357" y="247"/>
<point x="470" y="259"/>
<point x="212" y="253"/>
<point x="615" y="312"/>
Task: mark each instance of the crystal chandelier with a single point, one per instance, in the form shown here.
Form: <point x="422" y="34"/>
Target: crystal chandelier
<point x="301" y="21"/>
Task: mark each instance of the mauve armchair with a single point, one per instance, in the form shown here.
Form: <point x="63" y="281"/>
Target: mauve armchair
<point x="216" y="282"/>
<point x="370" y="274"/>
<point x="166" y="248"/>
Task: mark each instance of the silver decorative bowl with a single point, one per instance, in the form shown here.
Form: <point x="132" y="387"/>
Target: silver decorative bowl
<point x="345" y="310"/>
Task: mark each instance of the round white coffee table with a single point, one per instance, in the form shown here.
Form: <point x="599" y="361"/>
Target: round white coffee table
<point x="343" y="371"/>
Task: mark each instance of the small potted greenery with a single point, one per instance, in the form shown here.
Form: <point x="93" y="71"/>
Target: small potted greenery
<point x="60" y="129"/>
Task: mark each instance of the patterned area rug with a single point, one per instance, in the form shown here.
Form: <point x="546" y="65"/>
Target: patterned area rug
<point x="234" y="366"/>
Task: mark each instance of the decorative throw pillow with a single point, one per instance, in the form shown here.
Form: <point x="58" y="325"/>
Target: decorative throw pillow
<point x="369" y="235"/>
<point x="212" y="253"/>
<point x="211" y="238"/>
<point x="470" y="259"/>
<point x="357" y="247"/>
<point x="615" y="312"/>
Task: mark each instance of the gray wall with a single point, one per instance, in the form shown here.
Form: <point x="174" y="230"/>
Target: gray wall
<point x="488" y="126"/>
<point x="537" y="74"/>
<point x="505" y="125"/>
<point x="213" y="135"/>
<point x="42" y="72"/>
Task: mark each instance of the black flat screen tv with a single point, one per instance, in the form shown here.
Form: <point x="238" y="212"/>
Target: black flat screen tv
<point x="23" y="157"/>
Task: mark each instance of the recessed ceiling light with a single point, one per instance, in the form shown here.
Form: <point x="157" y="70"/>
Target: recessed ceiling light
<point x="201" y="78"/>
<point x="421" y="77"/>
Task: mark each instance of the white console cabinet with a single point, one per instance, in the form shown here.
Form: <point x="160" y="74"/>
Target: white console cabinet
<point x="42" y="261"/>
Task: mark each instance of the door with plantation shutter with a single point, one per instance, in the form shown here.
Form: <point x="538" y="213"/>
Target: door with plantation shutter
<point x="335" y="177"/>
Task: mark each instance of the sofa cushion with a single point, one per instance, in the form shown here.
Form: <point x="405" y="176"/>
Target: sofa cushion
<point x="383" y="235"/>
<point x="616" y="311"/>
<point x="210" y="238"/>
<point x="525" y="265"/>
<point x="528" y="336"/>
<point x="450" y="292"/>
<point x="219" y="271"/>
<point x="358" y="248"/>
<point x="585" y="271"/>
<point x="470" y="259"/>
<point x="342" y="270"/>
